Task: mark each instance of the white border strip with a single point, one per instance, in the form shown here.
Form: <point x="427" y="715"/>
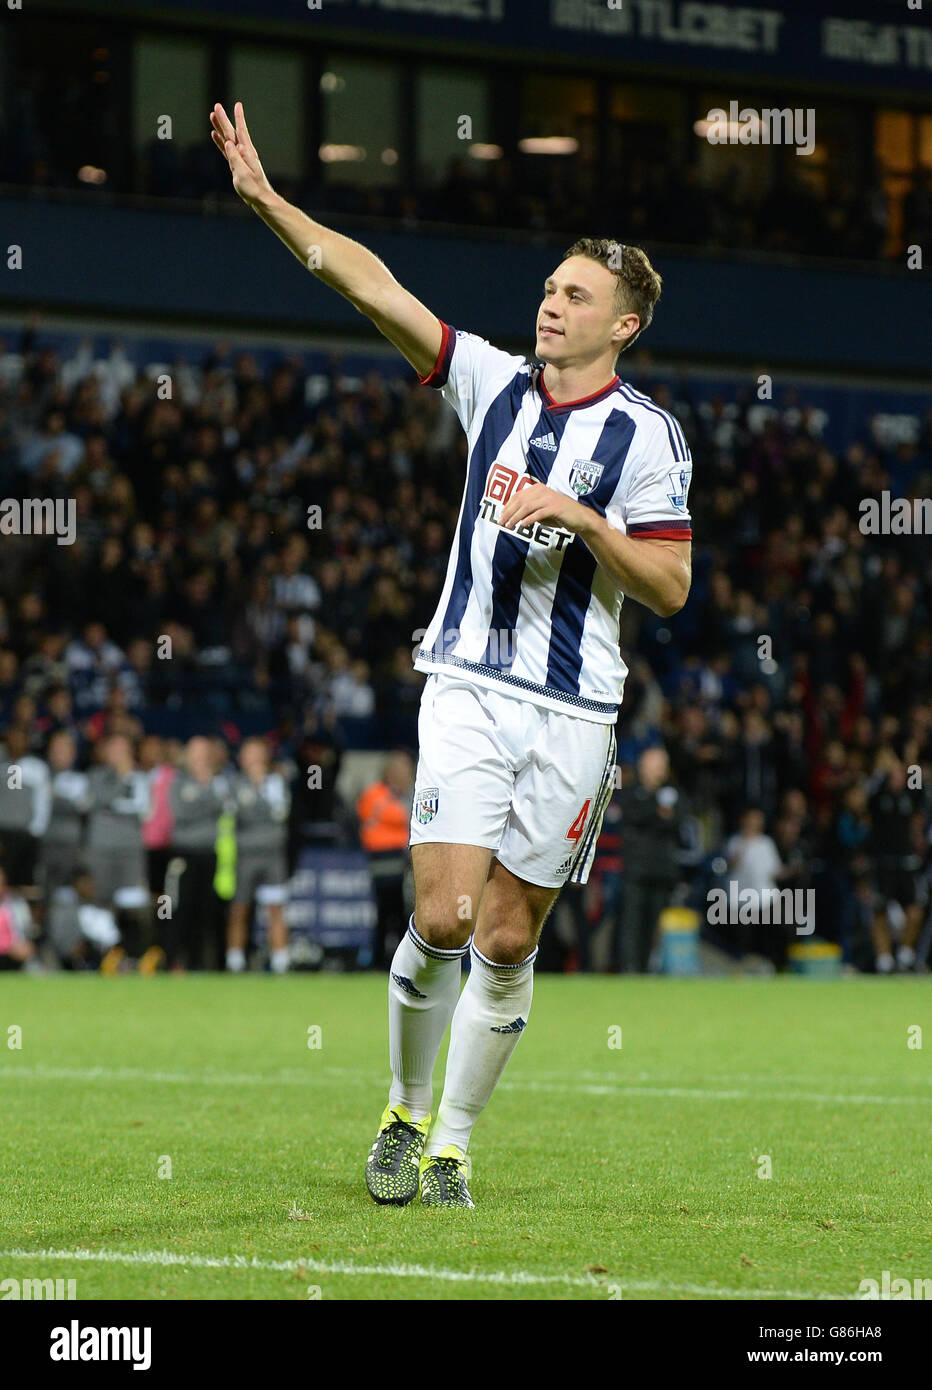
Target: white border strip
<point x="518" y="1278"/>
<point x="322" y="1072"/>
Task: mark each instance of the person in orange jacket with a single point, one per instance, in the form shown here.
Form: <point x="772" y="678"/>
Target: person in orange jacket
<point x="384" y="814"/>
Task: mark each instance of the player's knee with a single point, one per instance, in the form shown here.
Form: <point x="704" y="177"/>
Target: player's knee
<point x="508" y="943"/>
<point x="442" y="923"/>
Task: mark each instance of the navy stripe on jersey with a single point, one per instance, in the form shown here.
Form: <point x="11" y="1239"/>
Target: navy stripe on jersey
<point x="498" y="423"/>
<point x="508" y="561"/>
<point x="573" y="592"/>
<point x="670" y="419"/>
<point x="680" y="451"/>
<point x="678" y="428"/>
<point x="510" y="557"/>
<point x="571" y="600"/>
<point x="612" y="448"/>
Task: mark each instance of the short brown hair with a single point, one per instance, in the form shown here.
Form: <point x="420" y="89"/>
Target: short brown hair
<point x="637" y="284"/>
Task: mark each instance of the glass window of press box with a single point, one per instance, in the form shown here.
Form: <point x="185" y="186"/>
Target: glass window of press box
<point x="270" y="83"/>
<point x="453" y="123"/>
<point x="361" y="113"/>
<point x="170" y="106"/>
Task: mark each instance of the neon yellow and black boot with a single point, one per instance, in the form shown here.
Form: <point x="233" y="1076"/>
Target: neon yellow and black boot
<point x="393" y="1165"/>
<point x="443" y="1179"/>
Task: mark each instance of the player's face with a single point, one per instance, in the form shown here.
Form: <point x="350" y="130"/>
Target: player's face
<point x="577" y="314"/>
<point x="253" y="761"/>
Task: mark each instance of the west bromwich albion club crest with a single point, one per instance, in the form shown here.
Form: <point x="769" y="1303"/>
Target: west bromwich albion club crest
<point x="680" y="485"/>
<point x="426" y="803"/>
<point x="585" y="475"/>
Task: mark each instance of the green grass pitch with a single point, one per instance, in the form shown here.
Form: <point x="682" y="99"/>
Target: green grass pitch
<point x="599" y="1171"/>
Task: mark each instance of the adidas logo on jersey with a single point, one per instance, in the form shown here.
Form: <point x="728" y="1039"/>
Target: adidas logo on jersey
<point x="547" y="442"/>
<point x="517" y="1025"/>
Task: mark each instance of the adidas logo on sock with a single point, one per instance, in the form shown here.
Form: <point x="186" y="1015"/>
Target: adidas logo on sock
<point x="404" y="983"/>
<point x="517" y="1025"/>
<point x="547" y="442"/>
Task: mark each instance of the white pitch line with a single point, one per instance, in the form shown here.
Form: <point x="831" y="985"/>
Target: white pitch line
<point x="178" y="1078"/>
<point x="696" y="1093"/>
<point x="519" y="1278"/>
<point x="342" y="1074"/>
<point x="729" y="1078"/>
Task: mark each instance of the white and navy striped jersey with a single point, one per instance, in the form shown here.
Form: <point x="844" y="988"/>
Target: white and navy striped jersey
<point x="530" y="611"/>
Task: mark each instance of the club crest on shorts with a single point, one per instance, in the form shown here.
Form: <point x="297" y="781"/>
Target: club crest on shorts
<point x="585" y="475"/>
<point x="426" y="803"/>
<point x="679" y="482"/>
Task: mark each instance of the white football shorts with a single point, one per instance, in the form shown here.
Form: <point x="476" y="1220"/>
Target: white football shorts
<point x="528" y="783"/>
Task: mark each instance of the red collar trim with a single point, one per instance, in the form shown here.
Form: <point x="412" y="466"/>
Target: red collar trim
<point x="571" y="405"/>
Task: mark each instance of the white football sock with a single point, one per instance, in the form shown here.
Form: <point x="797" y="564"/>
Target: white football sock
<point x="489" y="1019"/>
<point x="423" y="987"/>
<point x="280" y="960"/>
<point x="236" y="959"/>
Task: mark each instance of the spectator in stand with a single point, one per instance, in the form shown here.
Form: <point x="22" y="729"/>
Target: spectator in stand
<point x="25" y="806"/>
<point x="194" y="514"/>
<point x="92" y="661"/>
<point x="83" y="934"/>
<point x="795" y="852"/>
<point x="157" y="832"/>
<point x="846" y="867"/>
<point x="16" y="948"/>
<point x="695" y="757"/>
<point x="293" y="588"/>
<point x="651" y="816"/>
<point x="897" y="855"/>
<point x="63" y="841"/>
<point x="261" y="801"/>
<point x="59" y="714"/>
<point x="759" y="780"/>
<point x="117" y="793"/>
<point x="384" y="813"/>
<point x="317" y="812"/>
<point x="755" y="867"/>
<point x="198" y="797"/>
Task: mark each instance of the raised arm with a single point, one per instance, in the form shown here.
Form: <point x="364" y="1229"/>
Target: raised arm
<point x="341" y="263"/>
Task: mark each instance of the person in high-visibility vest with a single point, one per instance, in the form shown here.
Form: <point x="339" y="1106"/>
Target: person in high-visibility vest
<point x="384" y="814"/>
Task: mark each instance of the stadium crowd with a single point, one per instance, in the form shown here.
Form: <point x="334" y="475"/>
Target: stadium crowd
<point x="247" y="561"/>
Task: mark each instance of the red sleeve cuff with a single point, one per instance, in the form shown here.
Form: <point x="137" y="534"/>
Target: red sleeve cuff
<point x="440" y="371"/>
<point x="661" y="530"/>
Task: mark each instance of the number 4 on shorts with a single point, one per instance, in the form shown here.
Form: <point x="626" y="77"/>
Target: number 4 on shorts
<point x="576" y="829"/>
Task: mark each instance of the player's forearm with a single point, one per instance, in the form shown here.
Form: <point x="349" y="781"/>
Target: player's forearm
<point x="341" y="263"/>
<point x="657" y="578"/>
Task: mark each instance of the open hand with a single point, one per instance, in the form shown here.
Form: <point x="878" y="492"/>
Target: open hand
<point x="249" y="178"/>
